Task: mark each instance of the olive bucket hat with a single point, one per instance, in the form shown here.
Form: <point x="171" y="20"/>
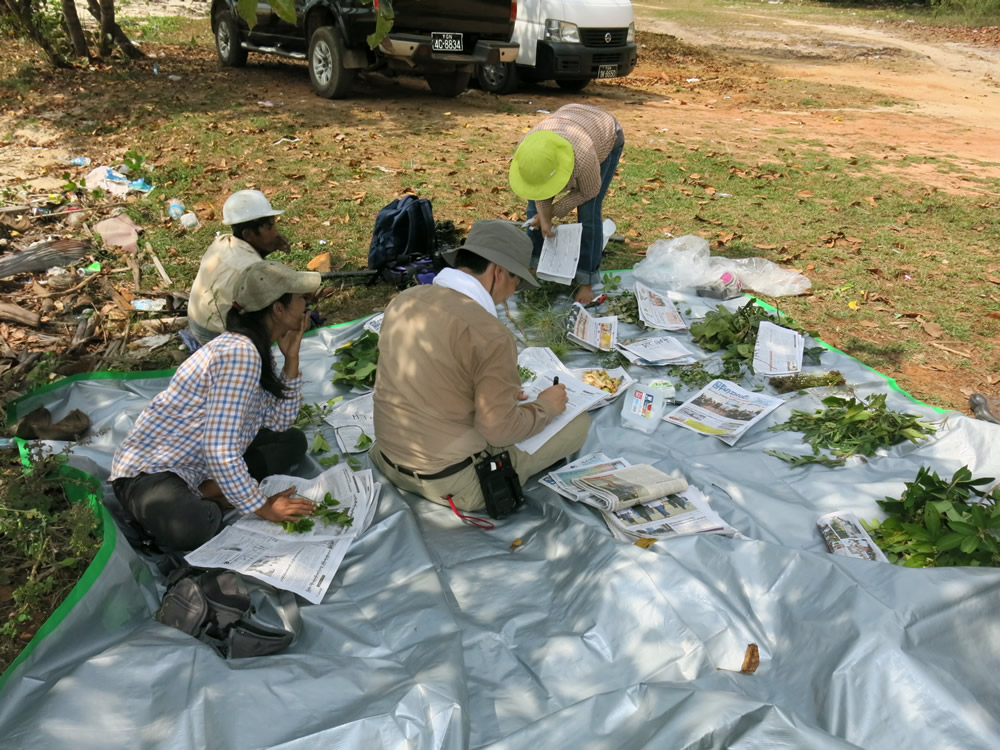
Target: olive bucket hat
<point x="542" y="165"/>
<point x="501" y="242"/>
<point x="261" y="283"/>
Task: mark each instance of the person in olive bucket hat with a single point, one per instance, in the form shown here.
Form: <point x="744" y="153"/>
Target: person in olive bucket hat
<point x="575" y="149"/>
<point x="447" y="388"/>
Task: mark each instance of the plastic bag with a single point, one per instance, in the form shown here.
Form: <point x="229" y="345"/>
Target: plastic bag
<point x="686" y="262"/>
<point x="675" y="264"/>
<point x="762" y="276"/>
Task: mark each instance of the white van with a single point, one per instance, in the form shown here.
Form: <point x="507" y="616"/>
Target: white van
<point x="570" y="42"/>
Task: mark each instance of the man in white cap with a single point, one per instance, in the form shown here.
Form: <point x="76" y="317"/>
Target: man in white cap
<point x="253" y="238"/>
<point x="447" y="386"/>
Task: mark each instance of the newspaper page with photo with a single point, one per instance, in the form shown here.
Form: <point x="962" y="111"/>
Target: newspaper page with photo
<point x="686" y="512"/>
<point x="375" y="324"/>
<point x="590" y="332"/>
<point x="581" y="397"/>
<point x="844" y="535"/>
<point x="560" y="254"/>
<point x="659" y="350"/>
<point x="561" y="480"/>
<point x="778" y="350"/>
<point x="724" y="410"/>
<point x="657" y="310"/>
<point x="353" y="423"/>
<point x="622" y="488"/>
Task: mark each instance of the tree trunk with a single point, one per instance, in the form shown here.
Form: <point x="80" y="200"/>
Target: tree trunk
<point x="119" y="36"/>
<point x="25" y="19"/>
<point x="107" y="27"/>
<point x="73" y="29"/>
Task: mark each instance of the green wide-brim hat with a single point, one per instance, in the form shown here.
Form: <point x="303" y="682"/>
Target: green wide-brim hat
<point x="542" y="165"/>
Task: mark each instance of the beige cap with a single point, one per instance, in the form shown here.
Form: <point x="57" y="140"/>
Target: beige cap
<point x="260" y="284"/>
<point x="501" y="242"/>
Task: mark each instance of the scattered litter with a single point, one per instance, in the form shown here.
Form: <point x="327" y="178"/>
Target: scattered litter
<point x="385" y="169"/>
<point x="93" y="268"/>
<point x="151" y="342"/>
<point x="77" y="161"/>
<point x="693" y="80"/>
<point x="174" y="78"/>
<point x="115" y="182"/>
<point x="190" y="221"/>
<point x="119" y="231"/>
<point x="156" y="69"/>
<point x="543" y="111"/>
<point x="286" y="139"/>
<point x="266" y="103"/>
<point x="149" y="305"/>
<point x="175" y="208"/>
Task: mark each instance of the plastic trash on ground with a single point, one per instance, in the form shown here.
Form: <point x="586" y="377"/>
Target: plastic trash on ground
<point x="115" y="182"/>
<point x="686" y="262"/>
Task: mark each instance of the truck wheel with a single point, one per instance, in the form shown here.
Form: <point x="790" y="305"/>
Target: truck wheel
<point x="497" y="78"/>
<point x="573" y="84"/>
<point x="330" y="79"/>
<point x="227" y="41"/>
<point x="449" y="84"/>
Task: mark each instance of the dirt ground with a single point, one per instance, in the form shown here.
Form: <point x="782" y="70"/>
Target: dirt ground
<point x="945" y="84"/>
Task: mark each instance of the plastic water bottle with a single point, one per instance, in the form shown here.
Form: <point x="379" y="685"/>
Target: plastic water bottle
<point x="190" y="221"/>
<point x="77" y="161"/>
<point x="175" y="208"/>
<point x="644" y="405"/>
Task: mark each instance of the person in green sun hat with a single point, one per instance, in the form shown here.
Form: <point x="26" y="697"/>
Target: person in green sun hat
<point x="575" y="149"/>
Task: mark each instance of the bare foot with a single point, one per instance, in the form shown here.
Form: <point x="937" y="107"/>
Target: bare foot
<point x="584" y="294"/>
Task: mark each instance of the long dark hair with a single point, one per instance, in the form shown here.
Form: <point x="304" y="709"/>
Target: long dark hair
<point x="253" y="325"/>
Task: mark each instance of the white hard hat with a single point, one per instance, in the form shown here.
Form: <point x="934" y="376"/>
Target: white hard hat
<point x="246" y="205"/>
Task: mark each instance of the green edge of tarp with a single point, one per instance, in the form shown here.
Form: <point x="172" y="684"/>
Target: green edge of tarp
<point x="91" y="494"/>
<point x="96" y="566"/>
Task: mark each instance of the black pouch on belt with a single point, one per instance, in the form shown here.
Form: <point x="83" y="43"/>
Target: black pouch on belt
<point x="501" y="486"/>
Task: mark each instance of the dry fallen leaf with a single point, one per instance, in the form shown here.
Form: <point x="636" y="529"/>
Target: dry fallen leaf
<point x="321" y="263"/>
<point x="644" y="542"/>
<point x="932" y="329"/>
<point x="751" y="660"/>
<point x="515" y="544"/>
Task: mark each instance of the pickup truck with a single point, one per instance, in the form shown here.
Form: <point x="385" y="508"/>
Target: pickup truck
<point x="441" y="40"/>
<point x="570" y="42"/>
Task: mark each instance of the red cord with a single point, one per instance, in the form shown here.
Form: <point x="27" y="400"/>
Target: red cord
<point x="481" y="523"/>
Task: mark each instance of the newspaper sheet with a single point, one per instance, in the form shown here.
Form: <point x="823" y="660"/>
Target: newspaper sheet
<point x="623" y="488"/>
<point x="354" y="492"/>
<point x="375" y="324"/>
<point x="353" y="423"/>
<point x="540" y="359"/>
<point x="561" y="480"/>
<point x="686" y="512"/>
<point x="778" y="350"/>
<point x="302" y="567"/>
<point x="724" y="410"/>
<point x="659" y="350"/>
<point x="590" y="332"/>
<point x="302" y="563"/>
<point x="560" y="254"/>
<point x="657" y="310"/>
<point x="844" y="535"/>
<point x="581" y="397"/>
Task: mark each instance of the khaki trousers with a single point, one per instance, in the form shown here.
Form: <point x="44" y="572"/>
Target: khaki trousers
<point x="464" y="487"/>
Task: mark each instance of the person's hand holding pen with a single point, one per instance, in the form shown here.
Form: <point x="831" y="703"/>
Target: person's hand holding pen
<point x="554" y="397"/>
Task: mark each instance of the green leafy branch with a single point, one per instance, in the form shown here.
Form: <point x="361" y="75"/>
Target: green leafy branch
<point x="358" y="361"/>
<point x="326" y="513"/>
<point x="938" y="522"/>
<point x="847" y="427"/>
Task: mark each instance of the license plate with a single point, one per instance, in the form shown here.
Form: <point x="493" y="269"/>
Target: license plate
<point x="442" y="41"/>
<point x="607" y="71"/>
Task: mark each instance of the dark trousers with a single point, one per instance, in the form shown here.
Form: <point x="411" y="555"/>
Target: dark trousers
<point x="179" y="518"/>
<point x="589" y="214"/>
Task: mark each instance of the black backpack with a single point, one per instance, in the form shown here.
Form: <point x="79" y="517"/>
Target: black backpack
<point x="214" y="606"/>
<point x="404" y="232"/>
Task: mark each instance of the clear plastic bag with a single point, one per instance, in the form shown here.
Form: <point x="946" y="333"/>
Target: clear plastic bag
<point x="675" y="264"/>
<point x="686" y="262"/>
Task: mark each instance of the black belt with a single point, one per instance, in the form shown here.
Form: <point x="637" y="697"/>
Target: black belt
<point x="446" y="472"/>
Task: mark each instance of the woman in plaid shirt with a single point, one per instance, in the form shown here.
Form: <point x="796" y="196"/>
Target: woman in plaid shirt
<point x="225" y="420"/>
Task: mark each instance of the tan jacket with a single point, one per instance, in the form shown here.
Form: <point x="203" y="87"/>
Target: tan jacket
<point x="592" y="133"/>
<point x="212" y="291"/>
<point x="447" y="382"/>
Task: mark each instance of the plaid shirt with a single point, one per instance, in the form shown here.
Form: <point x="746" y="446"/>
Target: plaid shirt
<point x="593" y="133"/>
<point x="200" y="426"/>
